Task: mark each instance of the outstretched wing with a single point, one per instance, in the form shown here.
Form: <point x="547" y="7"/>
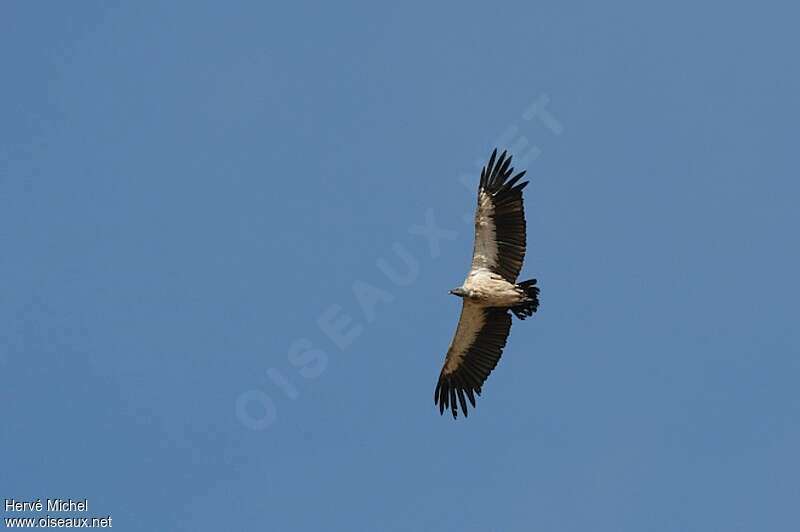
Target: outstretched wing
<point x="473" y="354"/>
<point x="500" y="220"/>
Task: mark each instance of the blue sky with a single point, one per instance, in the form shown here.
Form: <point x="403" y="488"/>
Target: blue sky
<point x="194" y="196"/>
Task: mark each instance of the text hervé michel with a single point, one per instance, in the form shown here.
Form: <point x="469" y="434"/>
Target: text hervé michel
<point x="52" y="505"/>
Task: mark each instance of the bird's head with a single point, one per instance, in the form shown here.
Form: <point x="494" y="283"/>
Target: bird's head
<point x="460" y="292"/>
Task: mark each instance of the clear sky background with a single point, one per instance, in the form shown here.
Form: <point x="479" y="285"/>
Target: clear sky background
<point x="190" y="192"/>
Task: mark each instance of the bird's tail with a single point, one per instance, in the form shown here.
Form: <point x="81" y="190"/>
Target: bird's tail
<point x="531" y="301"/>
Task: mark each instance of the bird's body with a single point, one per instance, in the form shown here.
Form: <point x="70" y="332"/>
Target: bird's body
<point x="487" y="289"/>
<point x="490" y="289"/>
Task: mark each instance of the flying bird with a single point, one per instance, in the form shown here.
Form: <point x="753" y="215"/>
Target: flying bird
<point x="490" y="290"/>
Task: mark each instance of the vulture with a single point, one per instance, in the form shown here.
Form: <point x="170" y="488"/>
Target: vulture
<point x="490" y="293"/>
